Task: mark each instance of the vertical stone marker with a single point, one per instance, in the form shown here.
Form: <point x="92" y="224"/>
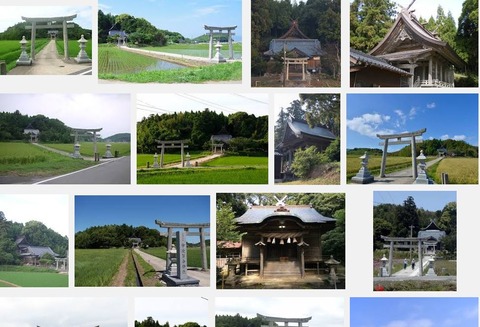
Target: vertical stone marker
<point x="24" y="59"/>
<point x="82" y="56"/>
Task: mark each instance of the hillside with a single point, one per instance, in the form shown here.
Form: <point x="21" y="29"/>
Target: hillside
<point x="120" y="137"/>
<point x="16" y="32"/>
<point x="35" y="232"/>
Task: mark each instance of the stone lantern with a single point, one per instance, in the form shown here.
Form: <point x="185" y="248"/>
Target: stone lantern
<point x="363" y="176"/>
<point x="332" y="264"/>
<point x="422" y="177"/>
<point x="82" y="56"/>
<point x="383" y="269"/>
<point x="155" y="160"/>
<point x="24" y="59"/>
<point x="188" y="164"/>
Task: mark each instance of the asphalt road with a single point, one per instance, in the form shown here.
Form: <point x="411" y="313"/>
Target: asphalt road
<point x="115" y="171"/>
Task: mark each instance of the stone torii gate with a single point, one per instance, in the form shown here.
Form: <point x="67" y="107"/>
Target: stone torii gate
<point x="229" y="30"/>
<point x="172" y="145"/>
<point x="271" y="320"/>
<point x="405" y="243"/>
<point x="84" y="131"/>
<point x="50" y="23"/>
<point x="186" y="228"/>
<point x="399" y="141"/>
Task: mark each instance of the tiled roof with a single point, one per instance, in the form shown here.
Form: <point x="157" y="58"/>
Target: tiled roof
<point x="305" y="213"/>
<point x="300" y="127"/>
<point x="369" y="60"/>
<point x="310" y="47"/>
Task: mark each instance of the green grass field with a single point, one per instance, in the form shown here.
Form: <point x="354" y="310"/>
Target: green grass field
<point x="459" y="170"/>
<point x="168" y="158"/>
<point x="197" y="50"/>
<point x="125" y="66"/>
<point x="32" y="277"/>
<point x="228" y="161"/>
<point x="193" y="255"/>
<point x="112" y="60"/>
<point x="25" y="159"/>
<point x="10" y="50"/>
<point x="86" y="148"/>
<point x="74" y="48"/>
<point x="97" y="267"/>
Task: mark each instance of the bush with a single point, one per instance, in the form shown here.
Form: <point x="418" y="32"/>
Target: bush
<point x="306" y="160"/>
<point x="332" y="152"/>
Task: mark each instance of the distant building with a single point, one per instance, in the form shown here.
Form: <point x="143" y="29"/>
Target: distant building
<point x="135" y="241"/>
<point x="31" y="254"/>
<point x="33" y="132"/>
<point x="121" y="37"/>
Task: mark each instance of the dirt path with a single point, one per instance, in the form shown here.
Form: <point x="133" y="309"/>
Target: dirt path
<point x="48" y="62"/>
<point x="195" y="161"/>
<point x="119" y="278"/>
<point x="9" y="284"/>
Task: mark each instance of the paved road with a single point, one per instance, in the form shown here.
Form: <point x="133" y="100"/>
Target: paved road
<point x="402" y="176"/>
<point x="412" y="273"/>
<point x="160" y="265"/>
<point x="114" y="171"/>
<point x="48" y="62"/>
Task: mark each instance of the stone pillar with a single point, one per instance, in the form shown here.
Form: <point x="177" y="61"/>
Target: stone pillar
<point x="203" y="249"/>
<point x="24" y="60"/>
<point x="210" y="45"/>
<point x="363" y="176"/>
<point x="32" y="40"/>
<point x="169" y="243"/>
<point x="390" y="259"/>
<point x="65" y="40"/>
<point x="414" y="158"/>
<point x="162" y="152"/>
<point x="303" y="70"/>
<point x="95" y="152"/>
<point x="155" y="161"/>
<point x="384" y="158"/>
<point x="230" y="45"/>
<point x="288" y="70"/>
<point x="182" y="264"/>
<point x="420" y="259"/>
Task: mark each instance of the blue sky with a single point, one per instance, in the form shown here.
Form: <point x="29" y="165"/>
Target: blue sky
<point x="140" y="210"/>
<point x="445" y="116"/>
<point x="414" y="312"/>
<point x="428" y="200"/>
<point x="185" y="16"/>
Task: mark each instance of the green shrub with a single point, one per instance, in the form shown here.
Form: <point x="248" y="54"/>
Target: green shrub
<point x="306" y="160"/>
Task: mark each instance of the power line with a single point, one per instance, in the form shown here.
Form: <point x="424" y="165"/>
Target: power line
<point x="251" y="99"/>
<point x="207" y="102"/>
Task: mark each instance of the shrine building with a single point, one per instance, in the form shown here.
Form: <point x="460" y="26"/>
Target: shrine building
<point x="282" y="239"/>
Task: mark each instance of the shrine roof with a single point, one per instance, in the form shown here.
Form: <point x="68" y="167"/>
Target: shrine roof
<point x="306" y="213"/>
<point x="299" y="127"/>
<point x="310" y="47"/>
<point x="39" y="251"/>
<point x="294" y="32"/>
<point x="408" y="26"/>
<point x="358" y="58"/>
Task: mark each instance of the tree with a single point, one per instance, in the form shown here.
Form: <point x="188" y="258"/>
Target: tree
<point x="467" y="34"/>
<point x="305" y="161"/>
<point x="323" y="110"/>
<point x="226" y="226"/>
<point x="369" y="22"/>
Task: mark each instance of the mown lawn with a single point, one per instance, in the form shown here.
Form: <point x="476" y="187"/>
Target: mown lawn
<point x="194" y="255"/>
<point x="25" y="159"/>
<point x="97" y="267"/>
<point x="207" y="175"/>
<point x="35" y="279"/>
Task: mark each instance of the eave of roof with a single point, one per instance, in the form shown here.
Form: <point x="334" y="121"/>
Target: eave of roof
<point x="258" y="214"/>
<point x="363" y="59"/>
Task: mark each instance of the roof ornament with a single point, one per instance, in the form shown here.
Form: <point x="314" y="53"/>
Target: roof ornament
<point x="411" y="3"/>
<point x="280" y="203"/>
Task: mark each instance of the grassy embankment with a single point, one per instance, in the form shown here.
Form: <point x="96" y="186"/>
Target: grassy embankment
<point x="194" y="255"/>
<point x="25" y="159"/>
<point x="125" y="66"/>
<point x="86" y="148"/>
<point x="10" y="50"/>
<point x="197" y="50"/>
<point x="27" y="276"/>
<point x="223" y="170"/>
<point x="74" y="48"/>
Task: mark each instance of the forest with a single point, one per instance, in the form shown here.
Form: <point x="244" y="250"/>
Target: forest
<point x="370" y="20"/>
<point x="395" y="220"/>
<point x="233" y="205"/>
<point x="16" y="32"/>
<point x="249" y="133"/>
<point x="35" y="232"/>
<point x="317" y="19"/>
<point x="430" y="148"/>
<point x="150" y="322"/>
<point x="109" y="236"/>
<point x="237" y="321"/>
<point x="139" y="30"/>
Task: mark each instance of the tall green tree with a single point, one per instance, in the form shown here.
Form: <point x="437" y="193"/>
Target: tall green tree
<point x="323" y="110"/>
<point x="467" y="34"/>
<point x="370" y="20"/>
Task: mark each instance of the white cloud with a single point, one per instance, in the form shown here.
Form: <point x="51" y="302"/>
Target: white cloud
<point x="412" y="113"/>
<point x="455" y="137"/>
<point x="369" y="124"/>
<point x="402" y="118"/>
<point x="444" y="137"/>
<point x="431" y="105"/>
<point x="208" y="10"/>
